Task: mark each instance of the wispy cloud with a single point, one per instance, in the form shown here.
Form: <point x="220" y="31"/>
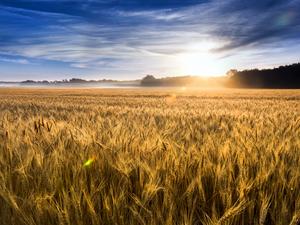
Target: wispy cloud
<point x="14" y="60"/>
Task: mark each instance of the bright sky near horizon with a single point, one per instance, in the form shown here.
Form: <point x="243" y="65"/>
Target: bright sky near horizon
<point x="127" y="39"/>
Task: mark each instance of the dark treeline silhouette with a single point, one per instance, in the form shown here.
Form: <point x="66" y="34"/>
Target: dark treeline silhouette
<point x="66" y="81"/>
<point x="281" y="77"/>
<point x="76" y="82"/>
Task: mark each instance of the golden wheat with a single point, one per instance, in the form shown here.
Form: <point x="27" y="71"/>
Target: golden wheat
<point x="149" y="156"/>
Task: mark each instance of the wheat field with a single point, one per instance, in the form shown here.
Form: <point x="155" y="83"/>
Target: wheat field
<point x="150" y="157"/>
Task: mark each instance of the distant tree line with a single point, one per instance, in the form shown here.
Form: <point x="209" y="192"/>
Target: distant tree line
<point x="66" y="81"/>
<point x="282" y="77"/>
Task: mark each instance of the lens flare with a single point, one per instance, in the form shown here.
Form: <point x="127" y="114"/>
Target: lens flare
<point x="284" y="19"/>
<point x="88" y="162"/>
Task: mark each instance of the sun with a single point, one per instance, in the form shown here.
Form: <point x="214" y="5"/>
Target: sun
<point x="198" y="60"/>
<point x="198" y="64"/>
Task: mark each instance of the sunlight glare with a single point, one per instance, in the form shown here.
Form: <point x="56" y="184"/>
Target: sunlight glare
<point x="198" y="60"/>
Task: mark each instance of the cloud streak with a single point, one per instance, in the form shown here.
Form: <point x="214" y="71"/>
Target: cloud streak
<point x="14" y="60"/>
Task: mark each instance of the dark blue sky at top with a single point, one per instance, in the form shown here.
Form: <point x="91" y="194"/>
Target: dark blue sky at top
<point x="95" y="39"/>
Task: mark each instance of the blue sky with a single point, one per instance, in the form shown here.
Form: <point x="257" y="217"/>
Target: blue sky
<point x="127" y="39"/>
